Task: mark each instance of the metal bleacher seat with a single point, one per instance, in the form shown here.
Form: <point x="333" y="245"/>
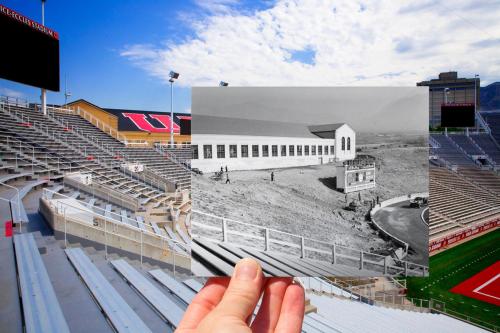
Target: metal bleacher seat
<point x="185" y="238"/>
<point x="91" y="203"/>
<point x="42" y="312"/>
<point x="114" y="307"/>
<point x="168" y="309"/>
<point x="193" y="284"/>
<point x="175" y="287"/>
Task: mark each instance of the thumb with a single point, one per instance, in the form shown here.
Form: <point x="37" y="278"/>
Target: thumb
<point x="243" y="291"/>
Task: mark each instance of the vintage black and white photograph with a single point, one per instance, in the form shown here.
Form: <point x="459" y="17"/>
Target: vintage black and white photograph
<point x="329" y="181"/>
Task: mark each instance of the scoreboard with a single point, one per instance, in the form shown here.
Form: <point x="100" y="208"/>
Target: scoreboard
<point x="30" y="51"/>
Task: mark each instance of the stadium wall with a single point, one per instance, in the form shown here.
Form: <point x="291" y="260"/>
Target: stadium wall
<point x="455" y="238"/>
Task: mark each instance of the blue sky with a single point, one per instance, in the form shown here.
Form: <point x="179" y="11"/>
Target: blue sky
<point x="92" y="33"/>
<point x="118" y="53"/>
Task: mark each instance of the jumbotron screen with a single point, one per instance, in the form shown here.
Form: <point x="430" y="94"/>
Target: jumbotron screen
<point x="30" y="51"/>
<point x="458" y="115"/>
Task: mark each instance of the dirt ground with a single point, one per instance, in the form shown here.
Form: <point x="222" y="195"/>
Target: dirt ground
<point x="304" y="200"/>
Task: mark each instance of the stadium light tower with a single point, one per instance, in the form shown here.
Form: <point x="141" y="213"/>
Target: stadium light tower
<point x="223" y="84"/>
<point x="67" y="93"/>
<point x="43" y="95"/>
<point x="173" y="76"/>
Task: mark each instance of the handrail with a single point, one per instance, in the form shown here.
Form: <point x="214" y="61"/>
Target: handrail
<point x="184" y="163"/>
<point x="111" y="219"/>
<point x="17" y="100"/>
<point x="18" y="202"/>
<point x="29" y="146"/>
<point x="379" y="260"/>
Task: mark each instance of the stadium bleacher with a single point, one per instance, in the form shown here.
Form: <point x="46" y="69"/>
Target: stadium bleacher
<point x="493" y="121"/>
<point x="84" y="285"/>
<point x="456" y="201"/>
<point x="448" y="151"/>
<point x="488" y="145"/>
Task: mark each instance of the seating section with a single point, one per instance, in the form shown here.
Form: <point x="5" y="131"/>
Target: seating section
<point x="161" y="303"/>
<point x="456" y="201"/>
<point x="450" y="152"/>
<point x="493" y="120"/>
<point x="114" y="307"/>
<point x="116" y="213"/>
<point x="149" y="298"/>
<point x="211" y="258"/>
<point x="62" y="148"/>
<point x="150" y="157"/>
<point x="42" y="312"/>
<point x="486" y="143"/>
<point x="464" y="142"/>
<point x="348" y="316"/>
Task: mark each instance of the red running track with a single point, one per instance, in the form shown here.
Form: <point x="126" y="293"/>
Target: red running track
<point x="484" y="286"/>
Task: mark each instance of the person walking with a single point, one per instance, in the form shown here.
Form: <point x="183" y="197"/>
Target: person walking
<point x="226" y="168"/>
<point x="272" y="176"/>
<point x="359" y="196"/>
<point x="222" y="169"/>
<point x="227" y="179"/>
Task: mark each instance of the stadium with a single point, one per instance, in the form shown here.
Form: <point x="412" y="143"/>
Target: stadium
<point x="96" y="225"/>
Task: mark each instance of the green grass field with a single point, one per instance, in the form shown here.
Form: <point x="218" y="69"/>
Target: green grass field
<point x="448" y="269"/>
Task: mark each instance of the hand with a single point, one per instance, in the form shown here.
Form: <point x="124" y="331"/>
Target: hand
<point x="226" y="305"/>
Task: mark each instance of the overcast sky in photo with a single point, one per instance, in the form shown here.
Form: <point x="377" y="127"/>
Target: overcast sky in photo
<point x="365" y="109"/>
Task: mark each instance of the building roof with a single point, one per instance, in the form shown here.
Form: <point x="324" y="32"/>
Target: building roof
<point x="202" y="124"/>
<point x="119" y="111"/>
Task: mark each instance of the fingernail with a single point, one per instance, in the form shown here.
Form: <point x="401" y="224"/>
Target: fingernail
<point x="246" y="270"/>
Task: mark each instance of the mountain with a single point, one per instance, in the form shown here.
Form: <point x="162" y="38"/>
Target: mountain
<point x="490" y="97"/>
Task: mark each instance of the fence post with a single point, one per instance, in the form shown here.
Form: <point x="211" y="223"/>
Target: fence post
<point x="105" y="238"/>
<point x="334" y="258"/>
<point x="224" y="230"/>
<point x="360" y="259"/>
<point x="267" y="243"/>
<point x="302" y="247"/>
<point x="406" y="268"/>
<point x="65" y="237"/>
<point x="141" y="246"/>
<point x="385" y="265"/>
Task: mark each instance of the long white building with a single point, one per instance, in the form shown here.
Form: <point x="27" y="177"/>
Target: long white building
<point x="247" y="144"/>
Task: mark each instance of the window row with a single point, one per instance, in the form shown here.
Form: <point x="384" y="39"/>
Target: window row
<point x="264" y="150"/>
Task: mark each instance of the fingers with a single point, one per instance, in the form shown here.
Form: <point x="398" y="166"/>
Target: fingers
<point x="243" y="291"/>
<point x="203" y="303"/>
<point x="292" y="310"/>
<point x="270" y="308"/>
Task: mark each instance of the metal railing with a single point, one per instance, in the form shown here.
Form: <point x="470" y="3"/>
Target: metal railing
<point x="89" y="216"/>
<point x="18" y="101"/>
<point x="219" y="229"/>
<point x="81" y="148"/>
<point x="111" y="149"/>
